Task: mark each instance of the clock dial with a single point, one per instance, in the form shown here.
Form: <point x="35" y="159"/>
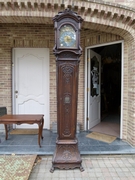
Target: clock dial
<point x="67" y="36"/>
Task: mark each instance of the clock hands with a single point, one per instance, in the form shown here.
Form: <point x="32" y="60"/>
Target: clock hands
<point x="67" y="39"/>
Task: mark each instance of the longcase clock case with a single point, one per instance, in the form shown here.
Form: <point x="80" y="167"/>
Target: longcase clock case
<point x="67" y="50"/>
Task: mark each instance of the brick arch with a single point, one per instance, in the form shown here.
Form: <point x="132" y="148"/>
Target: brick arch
<point x="114" y="16"/>
<point x="118" y="30"/>
<point x="127" y="34"/>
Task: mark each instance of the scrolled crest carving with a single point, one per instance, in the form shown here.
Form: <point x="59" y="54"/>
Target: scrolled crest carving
<point x="67" y="70"/>
<point x="66" y="12"/>
<point x="68" y="152"/>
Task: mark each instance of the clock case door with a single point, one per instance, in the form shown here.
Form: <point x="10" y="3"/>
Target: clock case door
<point x="67" y="94"/>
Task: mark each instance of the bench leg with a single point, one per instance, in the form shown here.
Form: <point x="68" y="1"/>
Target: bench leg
<point x="42" y="128"/>
<point x="39" y="134"/>
<point x="40" y="131"/>
<point x="6" y="131"/>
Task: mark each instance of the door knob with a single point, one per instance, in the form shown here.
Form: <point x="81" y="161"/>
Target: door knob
<point x="16" y="92"/>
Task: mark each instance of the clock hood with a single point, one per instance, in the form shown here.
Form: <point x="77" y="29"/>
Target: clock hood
<point x="67" y="13"/>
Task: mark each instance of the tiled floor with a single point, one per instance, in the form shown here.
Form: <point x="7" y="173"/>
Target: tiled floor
<point x="28" y="144"/>
<point x="102" y="167"/>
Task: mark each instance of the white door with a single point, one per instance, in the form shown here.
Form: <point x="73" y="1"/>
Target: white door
<point x="31" y="83"/>
<point x="93" y="83"/>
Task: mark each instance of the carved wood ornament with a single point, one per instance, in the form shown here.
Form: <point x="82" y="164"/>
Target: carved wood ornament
<point x="67" y="50"/>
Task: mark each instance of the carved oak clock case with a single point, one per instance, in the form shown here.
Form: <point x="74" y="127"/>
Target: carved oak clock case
<point x="67" y="51"/>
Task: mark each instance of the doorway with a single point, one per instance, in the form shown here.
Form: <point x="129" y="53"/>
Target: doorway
<point x="108" y="96"/>
<point x="31" y="83"/>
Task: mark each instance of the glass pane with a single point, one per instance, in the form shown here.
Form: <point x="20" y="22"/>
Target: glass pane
<point x="67" y="36"/>
<point x="94" y="76"/>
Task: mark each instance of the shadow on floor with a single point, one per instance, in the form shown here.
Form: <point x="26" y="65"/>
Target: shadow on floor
<point x="28" y="144"/>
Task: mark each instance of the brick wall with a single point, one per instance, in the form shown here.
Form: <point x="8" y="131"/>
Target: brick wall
<point x="102" y="23"/>
<point x="24" y="35"/>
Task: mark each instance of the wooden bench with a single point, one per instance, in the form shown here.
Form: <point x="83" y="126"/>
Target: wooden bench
<point x="23" y="119"/>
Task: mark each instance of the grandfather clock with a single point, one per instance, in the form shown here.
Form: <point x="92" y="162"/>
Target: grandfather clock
<point x="67" y="51"/>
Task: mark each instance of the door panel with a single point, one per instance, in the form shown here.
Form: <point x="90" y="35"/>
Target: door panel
<point x="94" y="62"/>
<point x="31" y="83"/>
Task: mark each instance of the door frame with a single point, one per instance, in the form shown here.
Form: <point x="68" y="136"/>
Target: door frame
<point x="13" y="84"/>
<point x="86" y="125"/>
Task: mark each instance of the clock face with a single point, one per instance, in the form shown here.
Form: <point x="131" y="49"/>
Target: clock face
<point x="67" y="37"/>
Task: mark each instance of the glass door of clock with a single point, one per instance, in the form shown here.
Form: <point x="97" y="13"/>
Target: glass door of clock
<point x="93" y="85"/>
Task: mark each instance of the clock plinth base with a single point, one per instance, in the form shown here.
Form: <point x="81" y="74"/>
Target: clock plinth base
<point x="66" y="156"/>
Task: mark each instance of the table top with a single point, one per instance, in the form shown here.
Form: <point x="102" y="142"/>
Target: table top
<point x="21" y="117"/>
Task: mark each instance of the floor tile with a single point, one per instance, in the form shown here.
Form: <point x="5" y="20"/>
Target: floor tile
<point x="28" y="144"/>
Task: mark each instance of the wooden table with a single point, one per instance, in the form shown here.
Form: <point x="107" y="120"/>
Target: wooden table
<point x="23" y="119"/>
